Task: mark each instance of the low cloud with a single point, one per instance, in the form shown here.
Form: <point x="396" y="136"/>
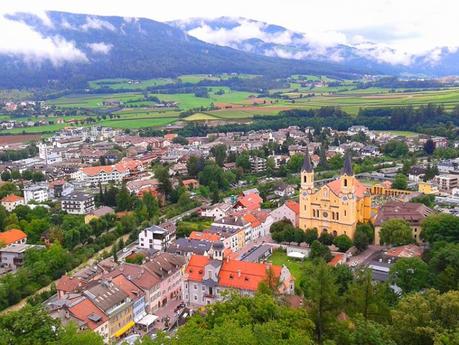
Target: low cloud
<point x="246" y="29"/>
<point x="384" y="54"/>
<point x="93" y="23"/>
<point x="100" y="47"/>
<point x="19" y="39"/>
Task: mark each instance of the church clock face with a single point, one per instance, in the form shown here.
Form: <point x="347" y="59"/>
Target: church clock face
<point x="344" y="198"/>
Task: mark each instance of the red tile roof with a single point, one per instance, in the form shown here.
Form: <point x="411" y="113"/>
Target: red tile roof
<point x="128" y="287"/>
<point x="293" y="205"/>
<point x="84" y="309"/>
<point x="250" y="201"/>
<point x="244" y="275"/>
<point x="254" y="222"/>
<point x="195" y="268"/>
<point x="407" y="251"/>
<point x="67" y="284"/>
<point x="206" y="236"/>
<point x="11" y="236"/>
<point x="12" y="198"/>
<point x="336" y="260"/>
<point x="335" y="187"/>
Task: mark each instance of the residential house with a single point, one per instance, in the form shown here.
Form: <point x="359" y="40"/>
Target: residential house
<point x="115" y="303"/>
<point x="190" y="184"/>
<point x="206" y="279"/>
<point x="217" y="211"/>
<point x="37" y="192"/>
<point x="156" y="238"/>
<point x="136" y="294"/>
<point x="12" y="256"/>
<point x="78" y="203"/>
<point x="257" y="164"/>
<point x="416" y="174"/>
<point x="108" y="173"/>
<point x="97" y="213"/>
<point x="284" y="190"/>
<point x="13" y="236"/>
<point x="250" y="202"/>
<point x="446" y="182"/>
<point x="11" y="201"/>
<point x="87" y="316"/>
<point x="290" y="210"/>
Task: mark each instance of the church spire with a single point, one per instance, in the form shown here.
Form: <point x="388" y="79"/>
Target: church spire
<point x="307" y="165"/>
<point x="347" y="168"/>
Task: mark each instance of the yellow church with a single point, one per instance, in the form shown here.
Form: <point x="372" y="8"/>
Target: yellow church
<point x="337" y="206"/>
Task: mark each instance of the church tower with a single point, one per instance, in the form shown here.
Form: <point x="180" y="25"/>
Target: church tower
<point x="307" y="174"/>
<point x="347" y="178"/>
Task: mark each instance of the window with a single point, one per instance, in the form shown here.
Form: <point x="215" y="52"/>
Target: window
<point x="195" y="286"/>
<point x="345" y="182"/>
<point x="305" y="179"/>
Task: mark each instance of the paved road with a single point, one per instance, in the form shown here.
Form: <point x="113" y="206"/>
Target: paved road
<point x="358" y="260"/>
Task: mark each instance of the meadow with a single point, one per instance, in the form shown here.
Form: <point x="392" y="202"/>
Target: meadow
<point x="235" y="105"/>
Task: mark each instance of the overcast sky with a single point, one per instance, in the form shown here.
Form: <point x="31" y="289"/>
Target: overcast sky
<point x="410" y="25"/>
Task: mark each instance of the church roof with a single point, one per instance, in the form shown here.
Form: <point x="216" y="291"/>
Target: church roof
<point x="347" y="168"/>
<point x="360" y="188"/>
<point x="307" y="165"/>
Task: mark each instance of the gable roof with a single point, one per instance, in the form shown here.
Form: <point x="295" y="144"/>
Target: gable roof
<point x="67" y="284"/>
<point x="244" y="275"/>
<point x="335" y="187"/>
<point x="195" y="267"/>
<point x="293" y="205"/>
<point x="11" y="236"/>
<point x="137" y="274"/>
<point x="254" y="222"/>
<point x="204" y="236"/>
<point x="411" y="212"/>
<point x="12" y="198"/>
<point x="87" y="312"/>
<point x="133" y="291"/>
<point x="250" y="201"/>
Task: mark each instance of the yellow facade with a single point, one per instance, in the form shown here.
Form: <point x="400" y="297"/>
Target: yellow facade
<point x="427" y="188"/>
<point x="336" y="207"/>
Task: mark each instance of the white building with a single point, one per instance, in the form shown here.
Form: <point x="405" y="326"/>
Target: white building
<point x="10" y="202"/>
<point x="36" y="192"/>
<point x="217" y="211"/>
<point x="78" y="203"/>
<point x="156" y="238"/>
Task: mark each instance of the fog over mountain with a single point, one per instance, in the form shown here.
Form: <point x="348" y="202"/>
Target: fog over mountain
<point x="273" y="40"/>
<point x="61" y="48"/>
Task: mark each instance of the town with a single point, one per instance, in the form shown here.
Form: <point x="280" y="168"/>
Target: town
<point x="138" y="233"/>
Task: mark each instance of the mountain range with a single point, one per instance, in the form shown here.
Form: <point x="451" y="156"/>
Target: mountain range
<point x="272" y="40"/>
<point x="70" y="49"/>
<point x="66" y="50"/>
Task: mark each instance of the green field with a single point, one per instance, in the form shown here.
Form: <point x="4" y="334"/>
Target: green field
<point x="200" y="117"/>
<point x="121" y="83"/>
<point x="279" y="257"/>
<point x="239" y="105"/>
<point x="407" y="134"/>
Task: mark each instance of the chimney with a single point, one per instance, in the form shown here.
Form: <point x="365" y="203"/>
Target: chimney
<point x="239" y="273"/>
